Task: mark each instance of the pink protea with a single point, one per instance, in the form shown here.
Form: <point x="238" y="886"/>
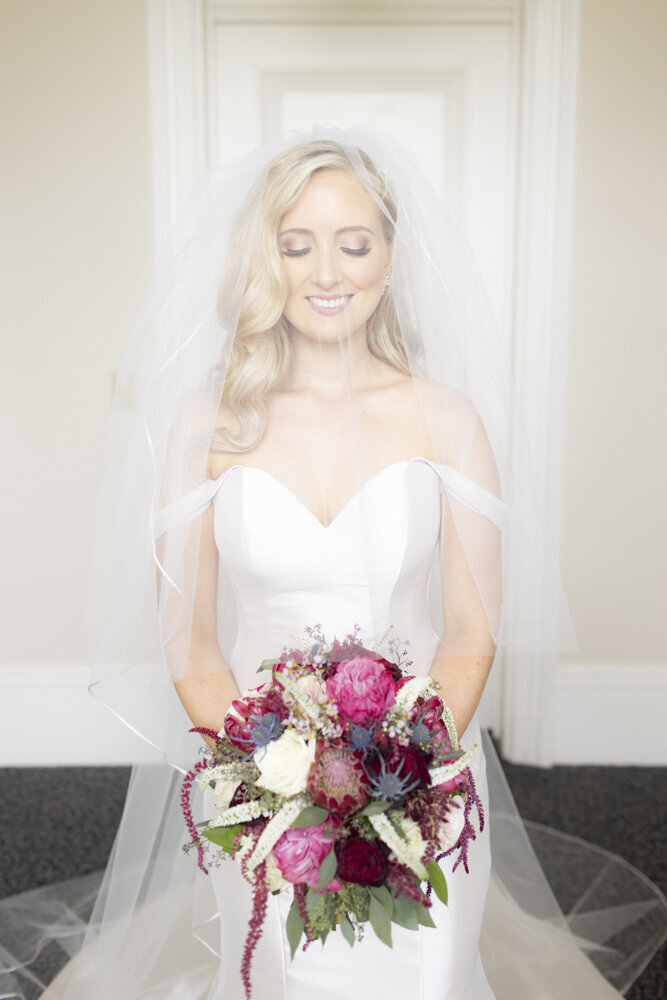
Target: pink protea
<point x="363" y="689"/>
<point x="337" y="779"/>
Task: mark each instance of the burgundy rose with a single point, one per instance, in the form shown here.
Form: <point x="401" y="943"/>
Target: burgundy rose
<point x="361" y="861"/>
<point x="412" y="764"/>
<point x="396" y="774"/>
<point x="337" y="779"/>
<point x="363" y="689"/>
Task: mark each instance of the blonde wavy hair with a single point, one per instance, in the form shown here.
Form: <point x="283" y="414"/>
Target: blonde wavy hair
<point x="261" y="353"/>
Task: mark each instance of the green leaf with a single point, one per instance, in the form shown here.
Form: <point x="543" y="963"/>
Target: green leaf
<point x="327" y="870"/>
<point x="375" y="807"/>
<point x="223" y="836"/>
<point x="313" y="899"/>
<point x="380" y="921"/>
<point x="424" y="916"/>
<point x="383" y="895"/>
<point x="294" y="927"/>
<point x="437" y="880"/>
<point x="310" y="816"/>
<point x="347" y="930"/>
<point x="405" y="912"/>
<point x="267" y="665"/>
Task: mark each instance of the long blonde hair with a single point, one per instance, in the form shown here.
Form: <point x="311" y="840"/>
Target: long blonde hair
<point x="261" y="352"/>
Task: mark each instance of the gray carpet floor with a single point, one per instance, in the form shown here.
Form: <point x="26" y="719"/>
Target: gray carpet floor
<point x="621" y="809"/>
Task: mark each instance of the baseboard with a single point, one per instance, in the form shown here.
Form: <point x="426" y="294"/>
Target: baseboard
<point x="604" y="715"/>
<point x="610" y="715"/>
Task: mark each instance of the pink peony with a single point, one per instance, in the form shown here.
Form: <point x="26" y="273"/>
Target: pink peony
<point x="299" y="854"/>
<point x="363" y="689"/>
<point x="337" y="779"/>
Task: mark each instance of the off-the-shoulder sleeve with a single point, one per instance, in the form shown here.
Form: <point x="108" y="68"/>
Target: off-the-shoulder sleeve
<point x="470" y="493"/>
<point x="185" y="508"/>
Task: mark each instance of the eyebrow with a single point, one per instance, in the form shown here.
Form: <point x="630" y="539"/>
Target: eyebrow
<point x="345" y="229"/>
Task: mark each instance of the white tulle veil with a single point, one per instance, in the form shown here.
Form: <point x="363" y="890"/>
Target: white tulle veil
<point x="168" y="418"/>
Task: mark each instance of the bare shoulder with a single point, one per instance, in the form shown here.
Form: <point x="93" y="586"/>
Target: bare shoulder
<point x="220" y="456"/>
<point x="447" y="412"/>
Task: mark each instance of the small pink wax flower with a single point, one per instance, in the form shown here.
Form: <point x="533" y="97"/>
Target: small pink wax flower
<point x="363" y="689"/>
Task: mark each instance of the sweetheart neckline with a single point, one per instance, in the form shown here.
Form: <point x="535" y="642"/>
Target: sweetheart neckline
<point x="348" y="503"/>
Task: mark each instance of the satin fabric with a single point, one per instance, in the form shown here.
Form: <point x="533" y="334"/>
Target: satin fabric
<point x="288" y="570"/>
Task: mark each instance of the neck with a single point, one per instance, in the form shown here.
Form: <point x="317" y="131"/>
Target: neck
<point x="330" y="367"/>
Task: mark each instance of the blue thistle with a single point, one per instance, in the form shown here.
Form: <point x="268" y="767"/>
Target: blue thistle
<point x="420" y="733"/>
<point x="361" y="737"/>
<point x="266" y="729"/>
<point x="389" y="785"/>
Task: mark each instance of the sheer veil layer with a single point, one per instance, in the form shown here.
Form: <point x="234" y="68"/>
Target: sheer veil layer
<point x="210" y="383"/>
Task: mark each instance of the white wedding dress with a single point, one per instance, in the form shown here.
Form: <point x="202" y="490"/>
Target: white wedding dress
<point x="288" y="571"/>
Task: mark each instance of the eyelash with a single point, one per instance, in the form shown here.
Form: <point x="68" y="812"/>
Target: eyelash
<point x="349" y="250"/>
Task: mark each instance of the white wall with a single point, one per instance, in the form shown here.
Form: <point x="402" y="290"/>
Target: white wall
<point x="75" y="210"/>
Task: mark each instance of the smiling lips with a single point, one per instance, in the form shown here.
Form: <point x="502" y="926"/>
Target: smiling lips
<point x="328" y="305"/>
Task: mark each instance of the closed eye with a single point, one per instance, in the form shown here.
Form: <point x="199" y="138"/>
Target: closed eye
<point x="296" y="253"/>
<point x="361" y="252"/>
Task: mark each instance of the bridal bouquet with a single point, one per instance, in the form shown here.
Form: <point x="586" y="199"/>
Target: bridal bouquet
<point x="340" y="778"/>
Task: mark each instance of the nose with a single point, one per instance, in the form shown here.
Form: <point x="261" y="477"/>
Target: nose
<point x="325" y="270"/>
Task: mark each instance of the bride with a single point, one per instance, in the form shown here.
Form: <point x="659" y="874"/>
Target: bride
<point x="322" y="462"/>
<point x="315" y="425"/>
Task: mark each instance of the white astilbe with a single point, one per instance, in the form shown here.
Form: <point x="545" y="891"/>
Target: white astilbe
<point x="276" y="827"/>
<point x="451" y="727"/>
<point x="449" y="771"/>
<point x="400" y="847"/>
<point x="415" y="688"/>
<point x="242" y="813"/>
<point x="217" y="772"/>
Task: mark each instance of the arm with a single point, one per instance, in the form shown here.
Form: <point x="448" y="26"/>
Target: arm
<point x="471" y="577"/>
<point x="207" y="687"/>
<point x="465" y="655"/>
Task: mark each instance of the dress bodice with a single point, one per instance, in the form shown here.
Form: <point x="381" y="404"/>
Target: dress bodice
<point x="370" y="566"/>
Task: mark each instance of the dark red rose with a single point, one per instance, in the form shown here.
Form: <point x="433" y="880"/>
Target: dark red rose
<point x="394" y="670"/>
<point x="362" y="861"/>
<point x="393" y="774"/>
<point x="412" y="763"/>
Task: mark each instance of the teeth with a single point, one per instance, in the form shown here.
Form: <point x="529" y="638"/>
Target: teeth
<point x="329" y="303"/>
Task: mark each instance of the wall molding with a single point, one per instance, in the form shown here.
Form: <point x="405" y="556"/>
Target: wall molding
<point x="366" y="12"/>
<point x="548" y="39"/>
<point x="605" y="715"/>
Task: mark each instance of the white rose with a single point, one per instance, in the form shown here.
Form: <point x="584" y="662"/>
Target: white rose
<point x="224" y="791"/>
<point x="284" y="764"/>
<point x="274" y="876"/>
<point x="450" y="831"/>
<point x="412" y="834"/>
